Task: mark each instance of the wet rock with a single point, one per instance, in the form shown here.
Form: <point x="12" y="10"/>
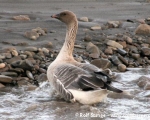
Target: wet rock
<point x="113" y="24"/>
<point x="24" y="64"/>
<point x="5" y="79"/>
<point x="11" y="74"/>
<point x="30" y="75"/>
<point x="115" y="60"/>
<point x="31" y="49"/>
<point x="123" y="43"/>
<point x="50" y="44"/>
<point x="123" y="59"/>
<point x="31" y="107"/>
<point x="147" y="86"/>
<point x="87" y="38"/>
<point x="30" y="87"/>
<point x="23" y="56"/>
<point x="14" y="52"/>
<point x="143" y="29"/>
<point x="142" y="81"/>
<point x="45" y="50"/>
<point x="2" y="57"/>
<point x="31" y="35"/>
<point x="145" y="51"/>
<point x="145" y="45"/>
<point x="7" y="55"/>
<point x="41" y="70"/>
<point x="14" y="59"/>
<point x="39" y="30"/>
<point x="114" y="44"/>
<point x="84" y="19"/>
<point x="42" y="77"/>
<point x="121" y="67"/>
<point x="101" y="63"/>
<point x="121" y="51"/>
<point x="28" y="53"/>
<point x="108" y="51"/>
<point x="96" y="28"/>
<point x="93" y="50"/>
<point x="133" y="49"/>
<point x="22" y="83"/>
<point x="2" y="65"/>
<point x="1" y="85"/>
<point x="22" y="18"/>
<point x="135" y="56"/>
<point x="127" y="39"/>
<point x="6" y="68"/>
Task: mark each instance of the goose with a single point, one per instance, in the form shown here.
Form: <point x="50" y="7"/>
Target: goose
<point x="72" y="80"/>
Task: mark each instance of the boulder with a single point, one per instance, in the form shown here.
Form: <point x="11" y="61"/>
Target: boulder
<point x="143" y="29"/>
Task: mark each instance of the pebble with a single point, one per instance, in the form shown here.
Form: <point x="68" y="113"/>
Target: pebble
<point x="96" y="28"/>
<point x="145" y="51"/>
<point x="147" y="86"/>
<point x="11" y="74"/>
<point x="14" y="52"/>
<point x="113" y="24"/>
<point x="121" y="51"/>
<point x="93" y="50"/>
<point x="84" y="19"/>
<point x="87" y="38"/>
<point x="115" y="60"/>
<point x="142" y="81"/>
<point x="42" y="77"/>
<point x="125" y="61"/>
<point x="135" y="56"/>
<point x="22" y="18"/>
<point x="143" y="29"/>
<point x="45" y="50"/>
<point x="108" y="51"/>
<point x="5" y="79"/>
<point x="7" y="55"/>
<point x="30" y="75"/>
<point x="1" y="85"/>
<point x="114" y="44"/>
<point x="2" y="57"/>
<point x="121" y="67"/>
<point x="102" y="63"/>
<point x="128" y="39"/>
<point x="123" y="43"/>
<point x="2" y="65"/>
<point x="31" y="107"/>
<point x="31" y="35"/>
<point x="39" y="31"/>
<point x="24" y="64"/>
<point x="28" y="53"/>
<point x="31" y="49"/>
<point x="14" y="59"/>
<point x="41" y="70"/>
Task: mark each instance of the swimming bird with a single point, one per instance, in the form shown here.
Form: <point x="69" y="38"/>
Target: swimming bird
<point x="72" y="80"/>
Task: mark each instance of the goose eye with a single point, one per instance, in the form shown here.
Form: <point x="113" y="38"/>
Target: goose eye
<point x="64" y="14"/>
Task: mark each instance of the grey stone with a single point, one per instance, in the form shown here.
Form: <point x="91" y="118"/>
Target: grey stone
<point x="5" y="79"/>
<point x="101" y="63"/>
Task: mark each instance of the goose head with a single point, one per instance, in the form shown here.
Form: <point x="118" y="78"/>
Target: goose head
<point x="66" y="16"/>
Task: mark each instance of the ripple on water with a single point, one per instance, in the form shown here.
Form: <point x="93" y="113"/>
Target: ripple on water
<point x="19" y="103"/>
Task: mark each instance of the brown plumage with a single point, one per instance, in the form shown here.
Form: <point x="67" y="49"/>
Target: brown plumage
<point x="76" y="81"/>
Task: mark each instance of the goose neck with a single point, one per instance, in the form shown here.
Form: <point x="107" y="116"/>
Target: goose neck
<point x="68" y="46"/>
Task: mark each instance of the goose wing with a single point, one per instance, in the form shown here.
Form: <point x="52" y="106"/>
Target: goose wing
<point x="72" y="76"/>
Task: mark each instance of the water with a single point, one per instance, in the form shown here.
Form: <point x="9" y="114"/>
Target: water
<point x="22" y="104"/>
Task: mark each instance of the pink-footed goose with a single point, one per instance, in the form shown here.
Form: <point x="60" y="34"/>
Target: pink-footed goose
<point x="72" y="80"/>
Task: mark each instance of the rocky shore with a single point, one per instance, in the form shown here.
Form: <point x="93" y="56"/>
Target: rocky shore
<point x="118" y="52"/>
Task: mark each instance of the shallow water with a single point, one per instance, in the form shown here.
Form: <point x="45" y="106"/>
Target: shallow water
<point x="21" y="104"/>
